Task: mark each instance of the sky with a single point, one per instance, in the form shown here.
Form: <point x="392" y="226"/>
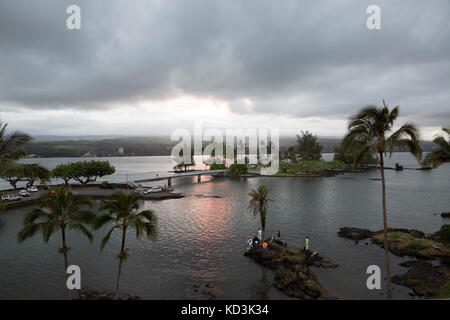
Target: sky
<point x="148" y="67"/>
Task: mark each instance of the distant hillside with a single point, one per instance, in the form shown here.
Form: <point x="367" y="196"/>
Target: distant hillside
<point x="139" y="146"/>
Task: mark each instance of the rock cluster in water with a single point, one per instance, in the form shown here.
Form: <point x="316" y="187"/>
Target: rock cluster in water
<point x="292" y="273"/>
<point x="424" y="278"/>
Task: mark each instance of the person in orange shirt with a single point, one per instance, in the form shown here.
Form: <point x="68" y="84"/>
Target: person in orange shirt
<point x="265" y="246"/>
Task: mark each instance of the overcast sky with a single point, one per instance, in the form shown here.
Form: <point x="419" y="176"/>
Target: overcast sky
<point x="146" y="67"/>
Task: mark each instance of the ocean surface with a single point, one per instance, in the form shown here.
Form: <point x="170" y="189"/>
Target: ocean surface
<point x="202" y="237"/>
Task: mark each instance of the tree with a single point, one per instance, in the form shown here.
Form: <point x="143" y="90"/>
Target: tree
<point x="90" y="170"/>
<point x="308" y="146"/>
<point x="83" y="171"/>
<point x="183" y="164"/>
<point x="349" y="156"/>
<point x="290" y="154"/>
<point x="34" y="172"/>
<point x="371" y="130"/>
<point x="237" y="169"/>
<point x="258" y="205"/>
<point x="12" y="173"/>
<point x="62" y="211"/>
<point x="11" y="144"/>
<point x="62" y="171"/>
<point x="15" y="172"/>
<point x="123" y="213"/>
<point x="441" y="155"/>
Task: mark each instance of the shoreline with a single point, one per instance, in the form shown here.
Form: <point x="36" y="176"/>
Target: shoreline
<point x="95" y="192"/>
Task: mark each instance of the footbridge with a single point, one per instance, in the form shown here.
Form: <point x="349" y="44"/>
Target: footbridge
<point x="158" y="176"/>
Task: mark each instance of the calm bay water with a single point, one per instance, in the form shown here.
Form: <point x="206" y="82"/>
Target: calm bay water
<point x="202" y="237"/>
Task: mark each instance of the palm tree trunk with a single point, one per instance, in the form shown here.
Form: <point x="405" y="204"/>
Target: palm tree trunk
<point x="385" y="228"/>
<point x="122" y="251"/>
<point x="263" y="226"/>
<point x="66" y="264"/>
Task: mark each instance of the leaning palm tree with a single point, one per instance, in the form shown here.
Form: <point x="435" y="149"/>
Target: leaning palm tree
<point x="11" y="144"/>
<point x="123" y="212"/>
<point x="441" y="155"/>
<point x="371" y="131"/>
<point x="258" y="205"/>
<point x="62" y="211"/>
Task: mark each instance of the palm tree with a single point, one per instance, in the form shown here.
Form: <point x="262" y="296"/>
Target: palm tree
<point x="123" y="211"/>
<point x="371" y="131"/>
<point x="11" y="143"/>
<point x="437" y="157"/>
<point x="59" y="212"/>
<point x="258" y="205"/>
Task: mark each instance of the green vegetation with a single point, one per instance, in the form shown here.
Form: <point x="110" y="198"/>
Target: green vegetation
<point x="350" y="156"/>
<point x="370" y="131"/>
<point x="442" y="154"/>
<point x="13" y="172"/>
<point x="258" y="205"/>
<point x="417" y="245"/>
<point x="11" y="144"/>
<point x="311" y="166"/>
<point x="406" y="243"/>
<point x="218" y="166"/>
<point x="83" y="171"/>
<point x="60" y="212"/>
<point x="443" y="292"/>
<point x="308" y="146"/>
<point x="444" y="234"/>
<point x="123" y="214"/>
<point x="238" y="169"/>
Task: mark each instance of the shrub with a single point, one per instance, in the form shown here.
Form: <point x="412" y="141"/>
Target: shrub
<point x="236" y="169"/>
<point x="417" y="245"/>
<point x="444" y="234"/>
<point x="218" y="166"/>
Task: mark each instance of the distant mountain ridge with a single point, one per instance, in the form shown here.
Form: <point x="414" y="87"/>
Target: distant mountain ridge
<point x="111" y="146"/>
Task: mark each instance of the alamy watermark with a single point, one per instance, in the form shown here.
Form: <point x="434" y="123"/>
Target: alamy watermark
<point x="74" y="278"/>
<point x="374" y="280"/>
<point x="373" y="22"/>
<point x="259" y="147"/>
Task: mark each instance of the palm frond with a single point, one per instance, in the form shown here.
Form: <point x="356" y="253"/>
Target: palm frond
<point x="106" y="238"/>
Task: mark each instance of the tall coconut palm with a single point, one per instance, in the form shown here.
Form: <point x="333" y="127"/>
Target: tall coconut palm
<point x="441" y="155"/>
<point x="62" y="211"/>
<point x="258" y="205"/>
<point x="371" y="130"/>
<point x="123" y="213"/>
<point x="11" y="143"/>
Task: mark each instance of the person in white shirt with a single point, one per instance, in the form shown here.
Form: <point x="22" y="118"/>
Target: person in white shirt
<point x="259" y="234"/>
<point x="250" y="243"/>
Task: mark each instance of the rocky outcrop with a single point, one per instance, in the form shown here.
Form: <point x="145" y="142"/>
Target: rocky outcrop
<point x="402" y="242"/>
<point x="292" y="273"/>
<point x="355" y="233"/>
<point x="425" y="279"/>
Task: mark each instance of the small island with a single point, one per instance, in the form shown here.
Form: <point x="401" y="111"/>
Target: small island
<point x="292" y="273"/>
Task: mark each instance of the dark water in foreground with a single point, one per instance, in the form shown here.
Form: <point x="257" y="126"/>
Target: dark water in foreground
<point x="201" y="240"/>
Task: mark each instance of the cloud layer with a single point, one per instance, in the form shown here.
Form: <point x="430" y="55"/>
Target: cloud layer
<point x="276" y="59"/>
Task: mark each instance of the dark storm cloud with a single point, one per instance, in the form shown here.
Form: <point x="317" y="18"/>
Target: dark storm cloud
<point x="294" y="58"/>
